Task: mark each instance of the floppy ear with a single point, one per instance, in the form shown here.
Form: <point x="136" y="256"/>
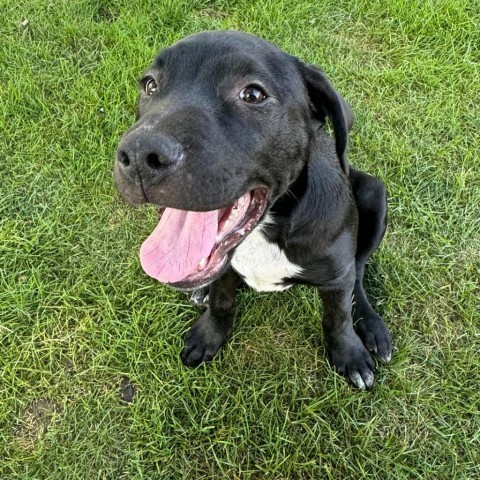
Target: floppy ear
<point x="328" y="102"/>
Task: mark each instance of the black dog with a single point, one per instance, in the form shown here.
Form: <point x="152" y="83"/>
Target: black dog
<point x="230" y="137"/>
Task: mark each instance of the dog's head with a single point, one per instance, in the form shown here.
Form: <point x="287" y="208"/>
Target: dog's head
<point x="225" y="124"/>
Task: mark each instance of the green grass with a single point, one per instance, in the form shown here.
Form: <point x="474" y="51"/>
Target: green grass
<point x="77" y="314"/>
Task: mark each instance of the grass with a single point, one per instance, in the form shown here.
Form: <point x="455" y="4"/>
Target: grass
<point x="79" y="319"/>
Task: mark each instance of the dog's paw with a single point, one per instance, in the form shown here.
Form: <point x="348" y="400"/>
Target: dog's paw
<point x="202" y="342"/>
<point x="351" y="359"/>
<point x="200" y="297"/>
<point x="375" y="336"/>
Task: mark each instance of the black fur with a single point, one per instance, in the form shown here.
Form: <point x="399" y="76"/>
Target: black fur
<point x="210" y="149"/>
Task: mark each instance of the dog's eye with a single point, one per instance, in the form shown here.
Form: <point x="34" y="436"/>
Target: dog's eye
<point x="150" y="86"/>
<point x="252" y="94"/>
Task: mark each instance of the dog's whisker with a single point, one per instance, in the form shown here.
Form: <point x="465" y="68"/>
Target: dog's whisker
<point x="289" y="192"/>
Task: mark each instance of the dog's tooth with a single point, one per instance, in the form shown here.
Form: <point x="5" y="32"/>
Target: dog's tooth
<point x="202" y="263"/>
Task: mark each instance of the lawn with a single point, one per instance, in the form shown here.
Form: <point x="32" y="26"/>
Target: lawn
<point x="91" y="385"/>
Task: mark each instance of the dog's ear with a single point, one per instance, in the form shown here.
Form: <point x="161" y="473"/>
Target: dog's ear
<point x="327" y="102"/>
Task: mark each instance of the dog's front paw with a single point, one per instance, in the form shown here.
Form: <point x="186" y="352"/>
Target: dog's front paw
<point x="375" y="336"/>
<point x="202" y="341"/>
<point x="351" y="359"/>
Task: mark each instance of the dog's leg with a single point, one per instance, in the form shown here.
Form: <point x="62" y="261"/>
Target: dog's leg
<point x="371" y="199"/>
<point x="214" y="327"/>
<point x="345" y="350"/>
<point x="200" y="297"/>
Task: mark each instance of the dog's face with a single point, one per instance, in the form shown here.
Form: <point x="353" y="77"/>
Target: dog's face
<point x="225" y="125"/>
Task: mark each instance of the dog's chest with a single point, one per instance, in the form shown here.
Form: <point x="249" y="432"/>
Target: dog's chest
<point x="262" y="264"/>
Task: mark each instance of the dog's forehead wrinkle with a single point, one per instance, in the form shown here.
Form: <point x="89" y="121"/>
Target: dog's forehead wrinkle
<point x="201" y="58"/>
<point x="210" y="70"/>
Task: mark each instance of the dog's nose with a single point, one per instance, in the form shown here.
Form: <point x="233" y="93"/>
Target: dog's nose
<point x="147" y="155"/>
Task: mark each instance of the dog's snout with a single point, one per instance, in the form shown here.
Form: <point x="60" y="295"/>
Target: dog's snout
<point x="148" y="153"/>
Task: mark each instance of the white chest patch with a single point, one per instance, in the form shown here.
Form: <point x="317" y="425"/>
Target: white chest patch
<point x="262" y="264"/>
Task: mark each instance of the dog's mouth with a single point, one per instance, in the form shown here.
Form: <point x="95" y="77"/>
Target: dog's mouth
<point x="188" y="249"/>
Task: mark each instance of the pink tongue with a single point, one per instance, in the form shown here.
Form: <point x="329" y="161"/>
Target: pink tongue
<point x="178" y="243"/>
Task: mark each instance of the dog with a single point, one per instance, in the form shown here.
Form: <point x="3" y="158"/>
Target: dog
<point x="231" y="142"/>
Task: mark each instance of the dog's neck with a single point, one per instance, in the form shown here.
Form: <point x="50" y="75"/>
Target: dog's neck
<point x="293" y="196"/>
<point x="302" y="208"/>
